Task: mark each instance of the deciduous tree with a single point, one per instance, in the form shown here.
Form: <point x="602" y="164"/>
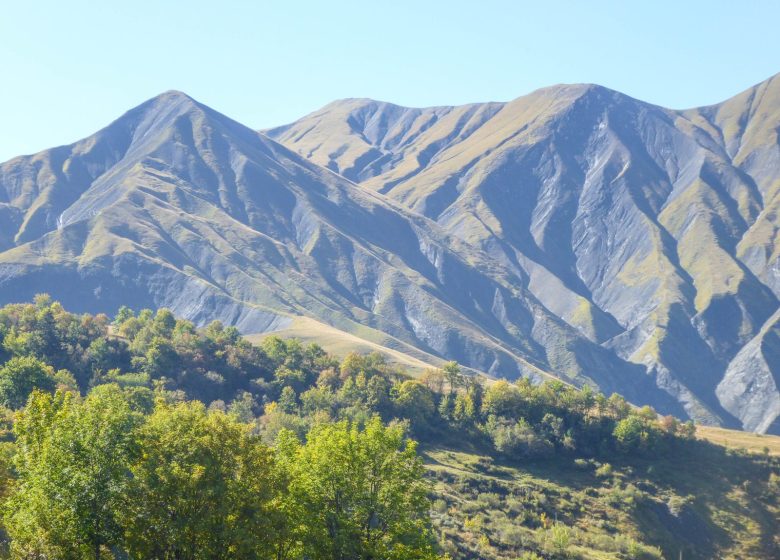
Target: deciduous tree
<point x="363" y="491"/>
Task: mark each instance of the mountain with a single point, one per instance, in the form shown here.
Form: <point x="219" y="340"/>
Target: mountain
<point x="574" y="232"/>
<point x="175" y="205"/>
<point x="652" y="232"/>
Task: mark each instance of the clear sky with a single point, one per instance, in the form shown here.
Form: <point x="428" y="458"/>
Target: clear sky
<point x="72" y="67"/>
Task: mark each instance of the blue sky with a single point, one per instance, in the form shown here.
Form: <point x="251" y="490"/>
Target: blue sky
<point x="71" y="67"/>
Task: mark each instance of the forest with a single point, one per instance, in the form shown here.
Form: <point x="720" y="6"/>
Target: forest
<point x="142" y="436"/>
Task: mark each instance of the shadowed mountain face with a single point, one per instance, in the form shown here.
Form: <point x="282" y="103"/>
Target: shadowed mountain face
<point x="573" y="232"/>
<point x="649" y="231"/>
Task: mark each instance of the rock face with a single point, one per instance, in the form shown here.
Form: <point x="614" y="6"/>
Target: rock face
<point x="749" y="389"/>
<point x="573" y="232"/>
<point x="651" y="232"/>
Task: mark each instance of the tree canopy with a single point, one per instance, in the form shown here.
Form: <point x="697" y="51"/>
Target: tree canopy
<point x="146" y="437"/>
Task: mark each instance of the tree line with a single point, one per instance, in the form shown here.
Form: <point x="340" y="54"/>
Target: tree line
<point x="146" y="437"/>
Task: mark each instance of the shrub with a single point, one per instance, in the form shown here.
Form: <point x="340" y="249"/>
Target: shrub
<point x="439" y="506"/>
<point x="21" y="376"/>
<point x="484" y="464"/>
<point x="581" y="464"/>
<point x="511" y="535"/>
<point x="502" y="399"/>
<point x="489" y="500"/>
<point x="678" y="504"/>
<point x="517" y="438"/>
<point x="558" y="539"/>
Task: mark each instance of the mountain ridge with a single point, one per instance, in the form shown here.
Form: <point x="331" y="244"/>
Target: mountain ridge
<point x="550" y="167"/>
<point x="203" y="215"/>
<point x="574" y="232"/>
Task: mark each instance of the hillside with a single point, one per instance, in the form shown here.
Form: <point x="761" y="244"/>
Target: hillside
<point x="504" y="470"/>
<point x="340" y="343"/>
<point x="741" y="441"/>
<point x="703" y="504"/>
<point x="651" y="231"/>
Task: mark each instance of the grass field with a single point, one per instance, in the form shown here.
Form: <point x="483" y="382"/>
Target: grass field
<point x="702" y="501"/>
<point x="755" y="443"/>
<point x="340" y="343"/>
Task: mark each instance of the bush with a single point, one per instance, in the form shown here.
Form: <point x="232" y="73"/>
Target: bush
<point x="19" y="377"/>
<point x="484" y="464"/>
<point x="440" y="506"/>
<point x="678" y="504"/>
<point x="557" y="539"/>
<point x="517" y="438"/>
<point x="415" y="401"/>
<point x="511" y="535"/>
<point x="489" y="500"/>
<point x="635" y="433"/>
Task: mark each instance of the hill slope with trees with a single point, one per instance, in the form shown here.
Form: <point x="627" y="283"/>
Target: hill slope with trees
<point x="146" y="437"/>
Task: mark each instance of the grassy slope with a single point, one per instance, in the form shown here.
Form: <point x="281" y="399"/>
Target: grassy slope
<point x="708" y="502"/>
<point x="340" y="343"/>
<point x="754" y="443"/>
<point x="714" y="502"/>
<point x="367" y="340"/>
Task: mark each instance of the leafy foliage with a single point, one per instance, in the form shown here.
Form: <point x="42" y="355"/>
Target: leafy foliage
<point x="150" y="438"/>
<point x="363" y="490"/>
<point x="98" y="475"/>
<point x="72" y="459"/>
<point x="201" y="488"/>
<point x="20" y="376"/>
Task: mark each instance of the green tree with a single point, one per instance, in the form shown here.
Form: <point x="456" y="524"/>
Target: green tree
<point x="454" y="376"/>
<point x="362" y="493"/>
<point x="617" y="407"/>
<point x="502" y="399"/>
<point x="516" y="438"/>
<point x="288" y="400"/>
<point x="20" y="376"/>
<point x="72" y="459"/>
<point x="202" y="489"/>
<point x="242" y="408"/>
<point x="160" y="357"/>
<point x="464" y="409"/>
<point x="164" y="323"/>
<point x="104" y="355"/>
<point x="414" y="401"/>
<point x="123" y="315"/>
<point x="635" y="433"/>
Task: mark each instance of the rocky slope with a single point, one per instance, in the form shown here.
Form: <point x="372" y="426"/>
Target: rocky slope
<point x="650" y="231"/>
<point x="177" y="205"/>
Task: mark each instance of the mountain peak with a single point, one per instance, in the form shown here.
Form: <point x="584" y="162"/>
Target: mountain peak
<point x="174" y="93"/>
<point x="171" y="99"/>
<point x="573" y="92"/>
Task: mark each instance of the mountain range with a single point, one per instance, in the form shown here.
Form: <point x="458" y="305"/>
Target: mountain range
<point x="574" y="232"/>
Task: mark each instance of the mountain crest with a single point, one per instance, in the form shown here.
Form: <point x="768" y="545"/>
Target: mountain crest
<point x="573" y="232"/>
